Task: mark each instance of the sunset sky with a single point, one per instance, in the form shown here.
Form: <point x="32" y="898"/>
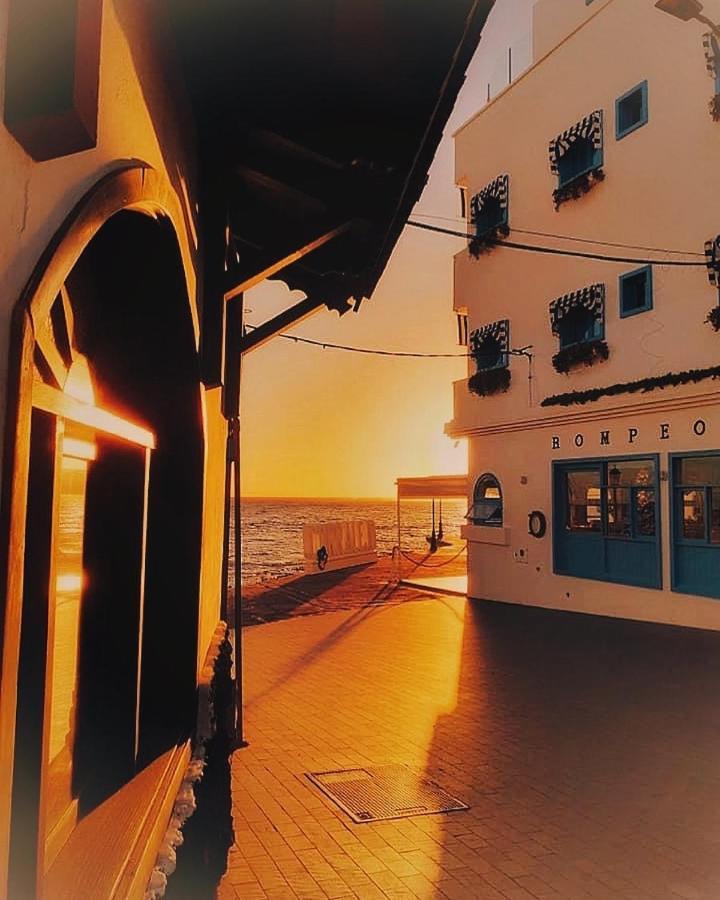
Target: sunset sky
<point x="327" y="423"/>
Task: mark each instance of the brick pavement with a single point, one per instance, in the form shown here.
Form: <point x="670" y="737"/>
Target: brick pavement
<point x="587" y="749"/>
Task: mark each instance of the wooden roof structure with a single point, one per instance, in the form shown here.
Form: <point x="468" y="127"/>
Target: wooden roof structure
<point x="432" y="486"/>
<point x="317" y="122"/>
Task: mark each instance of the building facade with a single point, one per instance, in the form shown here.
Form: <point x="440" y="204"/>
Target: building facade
<point x="157" y="161"/>
<point x="592" y="407"/>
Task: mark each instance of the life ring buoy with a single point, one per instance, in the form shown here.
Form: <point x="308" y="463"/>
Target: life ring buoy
<point x="537" y="523"/>
<point x="322" y="557"/>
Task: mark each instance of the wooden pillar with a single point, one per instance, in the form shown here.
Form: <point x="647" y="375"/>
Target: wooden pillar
<point x="213" y="249"/>
<point x="27" y="829"/>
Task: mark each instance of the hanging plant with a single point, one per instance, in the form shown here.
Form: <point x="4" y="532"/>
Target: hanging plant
<point x="714" y="106"/>
<point x="580" y="354"/>
<point x="483" y="243"/>
<point x="577" y="186"/>
<point x="713" y="318"/>
<point x="489" y="381"/>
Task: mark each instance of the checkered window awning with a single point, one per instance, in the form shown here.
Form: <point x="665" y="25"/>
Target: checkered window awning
<point x="591" y="127"/>
<point x="591" y="298"/>
<point x="497" y="190"/>
<point x="712" y="260"/>
<point x="711" y="50"/>
<point x="498" y="331"/>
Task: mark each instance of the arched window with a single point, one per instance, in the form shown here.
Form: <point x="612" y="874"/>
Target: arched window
<point x="487" y="505"/>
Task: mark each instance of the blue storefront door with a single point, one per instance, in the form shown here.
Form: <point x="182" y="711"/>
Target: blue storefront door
<point x="696" y="524"/>
<point x="606" y="522"/>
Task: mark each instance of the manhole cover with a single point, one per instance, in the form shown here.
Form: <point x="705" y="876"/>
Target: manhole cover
<point x="384" y="792"/>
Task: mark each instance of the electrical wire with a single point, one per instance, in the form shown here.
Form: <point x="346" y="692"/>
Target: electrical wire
<point x="327" y="345"/>
<point x="557" y="251"/>
<point x="568" y="237"/>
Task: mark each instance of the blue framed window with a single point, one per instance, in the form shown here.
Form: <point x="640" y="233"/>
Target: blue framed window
<point x="696" y="523"/>
<point x="489" y="207"/>
<point x="581" y="157"/>
<point x="489" y="354"/>
<point x="635" y="291"/>
<point x="490" y="345"/>
<point x="631" y="110"/>
<point x="487" y="505"/>
<point x="579" y="326"/>
<point x="606" y="520"/>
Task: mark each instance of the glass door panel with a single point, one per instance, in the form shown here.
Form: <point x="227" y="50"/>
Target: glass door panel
<point x="76" y="447"/>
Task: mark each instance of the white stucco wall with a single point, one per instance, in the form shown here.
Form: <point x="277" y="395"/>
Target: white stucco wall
<point x="658" y="190"/>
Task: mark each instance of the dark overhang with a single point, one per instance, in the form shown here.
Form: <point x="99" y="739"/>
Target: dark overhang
<point x="318" y="121"/>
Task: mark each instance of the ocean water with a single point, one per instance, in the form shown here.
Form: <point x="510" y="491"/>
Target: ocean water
<point x="271" y="539"/>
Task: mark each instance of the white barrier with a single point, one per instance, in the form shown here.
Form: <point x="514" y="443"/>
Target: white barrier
<point x="338" y="545"/>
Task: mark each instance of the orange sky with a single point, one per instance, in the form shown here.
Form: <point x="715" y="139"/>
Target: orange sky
<point x="325" y="423"/>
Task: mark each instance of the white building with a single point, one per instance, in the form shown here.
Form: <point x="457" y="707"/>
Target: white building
<point x="595" y="456"/>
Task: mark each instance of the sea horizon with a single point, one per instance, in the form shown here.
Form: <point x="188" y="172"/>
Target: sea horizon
<point x="272" y="527"/>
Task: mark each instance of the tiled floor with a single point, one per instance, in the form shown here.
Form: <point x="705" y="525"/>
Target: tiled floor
<point x="588" y="750"/>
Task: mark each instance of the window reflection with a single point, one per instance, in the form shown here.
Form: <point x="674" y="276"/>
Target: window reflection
<point x="697" y="493"/>
<point x="583" y="493"/>
<point x="693" y="512"/>
<point x="76" y="447"/>
<point x="617" y="498"/>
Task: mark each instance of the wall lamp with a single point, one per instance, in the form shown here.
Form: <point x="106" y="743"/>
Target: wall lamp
<point x="685" y="10"/>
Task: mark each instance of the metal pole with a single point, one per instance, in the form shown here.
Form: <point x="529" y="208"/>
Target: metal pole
<point x="239" y="697"/>
<point x="224" y="597"/>
<point x="399" y="559"/>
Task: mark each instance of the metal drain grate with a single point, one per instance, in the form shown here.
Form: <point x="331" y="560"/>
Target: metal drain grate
<point x="384" y="792"/>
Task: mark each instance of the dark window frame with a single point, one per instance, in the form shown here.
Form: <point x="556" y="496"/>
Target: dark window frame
<point x="560" y="468"/>
<point x="598" y="328"/>
<point x="623" y="281"/>
<point x="487" y="479"/>
<point x="623" y="131"/>
<point x="595" y="161"/>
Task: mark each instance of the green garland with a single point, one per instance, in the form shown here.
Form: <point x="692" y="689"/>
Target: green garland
<point x="489" y="381"/>
<point x="574" y="355"/>
<point x="671" y="379"/>
<point x="713" y="318"/>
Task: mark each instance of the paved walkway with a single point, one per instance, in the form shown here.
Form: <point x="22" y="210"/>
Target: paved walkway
<point x="588" y="750"/>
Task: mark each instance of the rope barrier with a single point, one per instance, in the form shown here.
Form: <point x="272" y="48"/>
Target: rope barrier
<point x="433" y="565"/>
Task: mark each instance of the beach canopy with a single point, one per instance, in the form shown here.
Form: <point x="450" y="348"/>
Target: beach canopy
<point x="430" y="486"/>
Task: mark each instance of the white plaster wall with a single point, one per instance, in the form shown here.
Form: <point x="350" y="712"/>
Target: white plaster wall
<point x="494" y="574"/>
<point x="660" y="181"/>
<point x="659" y="190"/>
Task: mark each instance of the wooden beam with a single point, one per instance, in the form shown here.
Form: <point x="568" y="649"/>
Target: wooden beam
<point x="285" y="261"/>
<point x="265" y="332"/>
<point x="213" y="248"/>
<point x="233" y="340"/>
<point x="51" y="400"/>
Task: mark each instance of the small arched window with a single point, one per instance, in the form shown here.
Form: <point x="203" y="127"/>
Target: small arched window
<point x="487" y="505"/>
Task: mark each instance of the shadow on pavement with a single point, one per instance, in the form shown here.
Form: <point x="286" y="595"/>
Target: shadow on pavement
<point x="587" y="749"/>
